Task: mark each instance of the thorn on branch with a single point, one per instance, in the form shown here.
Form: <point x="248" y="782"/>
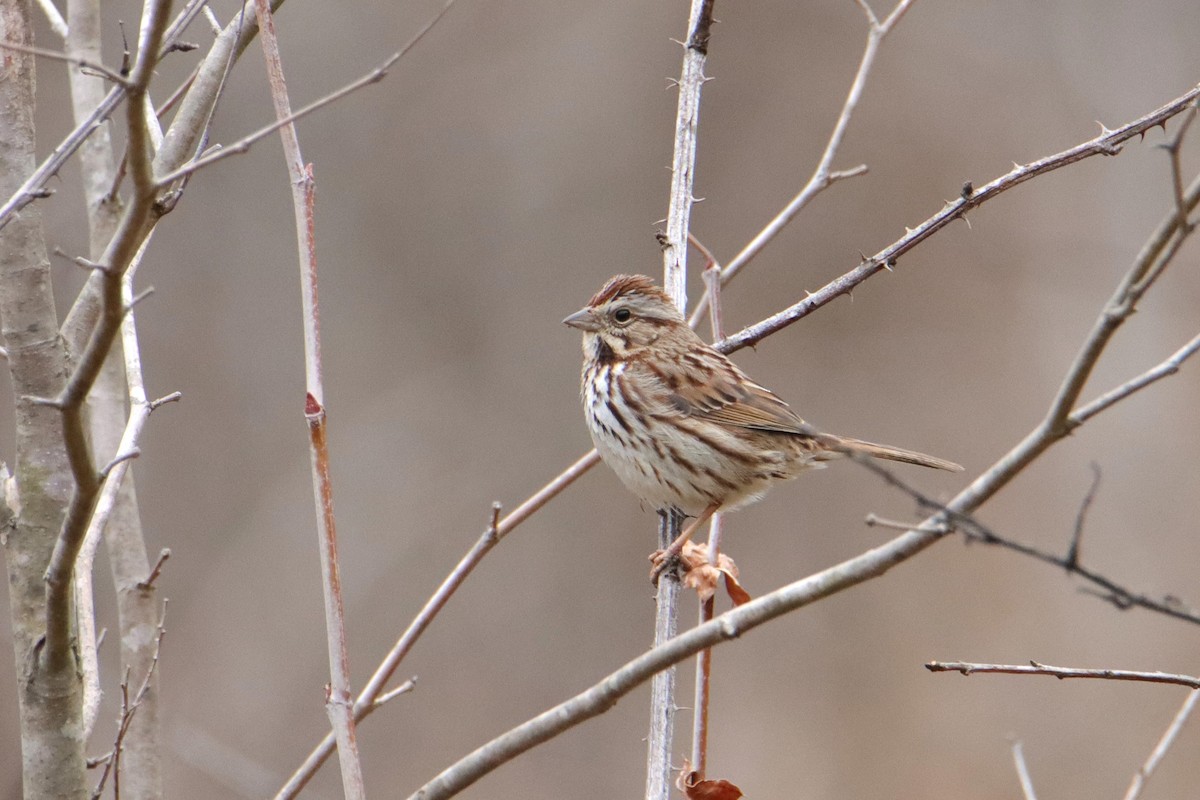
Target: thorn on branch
<point x="149" y="290"/>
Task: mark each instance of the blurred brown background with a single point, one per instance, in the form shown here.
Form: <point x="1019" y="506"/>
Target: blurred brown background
<point x="484" y="190"/>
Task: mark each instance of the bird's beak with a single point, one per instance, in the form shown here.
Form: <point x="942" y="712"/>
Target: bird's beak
<point x="583" y="319"/>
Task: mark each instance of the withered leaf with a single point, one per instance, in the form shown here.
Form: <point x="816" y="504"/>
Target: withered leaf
<point x="703" y="577"/>
<point x="689" y="783"/>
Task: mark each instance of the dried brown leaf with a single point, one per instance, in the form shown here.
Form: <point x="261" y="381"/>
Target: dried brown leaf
<point x="703" y="577"/>
<point x="689" y="783"/>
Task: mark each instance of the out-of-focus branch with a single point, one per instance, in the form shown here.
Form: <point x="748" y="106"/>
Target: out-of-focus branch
<point x="245" y="143"/>
<point x="1164" y="744"/>
<point x="339" y="698"/>
<point x="178" y="143"/>
<point x="92" y="65"/>
<point x="1034" y="668"/>
<point x="34" y="186"/>
<point x="57" y="23"/>
<point x="1018" y="753"/>
<point x="824" y="175"/>
<point x="1108" y="143"/>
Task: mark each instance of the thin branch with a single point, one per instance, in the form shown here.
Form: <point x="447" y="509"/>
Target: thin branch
<point x="1108" y="143"/>
<point x="823" y="175"/>
<point x="1073" y="551"/>
<point x="129" y="707"/>
<point x="704" y="659"/>
<point x="497" y="530"/>
<point x="54" y="17"/>
<point x="244" y="144"/>
<point x="1035" y="668"/>
<point x="34" y="186"/>
<point x="1120" y="596"/>
<point x="57" y="55"/>
<point x="339" y="697"/>
<point x="1018" y="753"/>
<point x="1164" y="744"/>
<point x="1163" y="370"/>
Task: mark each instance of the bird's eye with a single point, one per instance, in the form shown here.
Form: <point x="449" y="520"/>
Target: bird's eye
<point x="622" y="315"/>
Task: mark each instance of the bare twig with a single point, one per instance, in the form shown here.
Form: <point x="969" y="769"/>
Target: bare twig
<point x="129" y="707"/>
<point x="340" y="699"/>
<point x="1018" y="753"/>
<point x="1164" y="744"/>
<point x="1035" y="668"/>
<point x="35" y="185"/>
<point x="704" y="660"/>
<point x="156" y="570"/>
<point x="244" y="144"/>
<point x="1073" y="551"/>
<point x="497" y="530"/>
<point x="1120" y="596"/>
<point x="1163" y="370"/>
<point x="57" y="23"/>
<point x="823" y="175"/>
<point x="57" y="55"/>
<point x="1107" y="143"/>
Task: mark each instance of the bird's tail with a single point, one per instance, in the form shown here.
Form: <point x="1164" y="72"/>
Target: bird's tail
<point x="847" y="445"/>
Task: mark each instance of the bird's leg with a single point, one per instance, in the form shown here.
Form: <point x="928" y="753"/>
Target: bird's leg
<point x="669" y="558"/>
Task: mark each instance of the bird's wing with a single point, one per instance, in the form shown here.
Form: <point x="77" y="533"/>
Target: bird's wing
<point x="723" y="395"/>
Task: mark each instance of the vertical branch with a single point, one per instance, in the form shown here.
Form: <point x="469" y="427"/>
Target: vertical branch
<point x="103" y="214"/>
<point x="116" y="511"/>
<point x="662" y="697"/>
<point x="340" y="701"/>
<point x="704" y="662"/>
<point x="49" y="702"/>
<point x="712" y="282"/>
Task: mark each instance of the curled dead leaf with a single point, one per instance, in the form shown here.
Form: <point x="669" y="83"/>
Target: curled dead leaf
<point x="689" y="782"/>
<point x="703" y="577"/>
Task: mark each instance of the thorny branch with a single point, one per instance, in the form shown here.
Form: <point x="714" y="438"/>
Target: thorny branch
<point x="1108" y="143"/>
<point x="824" y="175"/>
<point x="675" y="247"/>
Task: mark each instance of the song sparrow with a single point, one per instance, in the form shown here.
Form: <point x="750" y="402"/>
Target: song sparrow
<point x="679" y="423"/>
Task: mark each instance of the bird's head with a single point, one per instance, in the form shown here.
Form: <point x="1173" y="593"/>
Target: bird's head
<point x="629" y="313"/>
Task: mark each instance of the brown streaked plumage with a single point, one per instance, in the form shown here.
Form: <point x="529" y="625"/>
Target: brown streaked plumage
<point x="678" y="422"/>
